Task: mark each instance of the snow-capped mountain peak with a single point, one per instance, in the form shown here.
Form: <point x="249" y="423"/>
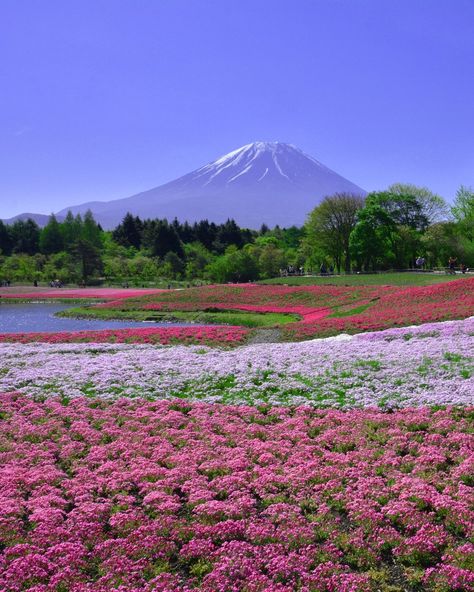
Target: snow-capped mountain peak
<point x="258" y="161"/>
<point x="269" y="182"/>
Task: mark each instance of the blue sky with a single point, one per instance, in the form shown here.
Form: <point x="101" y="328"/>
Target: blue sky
<point x="100" y="99"/>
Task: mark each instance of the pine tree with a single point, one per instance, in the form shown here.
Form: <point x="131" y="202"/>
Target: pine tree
<point x="6" y="240"/>
<point x="91" y="231"/>
<point x="25" y="236"/>
<point x="51" y="238"/>
<point x="129" y="232"/>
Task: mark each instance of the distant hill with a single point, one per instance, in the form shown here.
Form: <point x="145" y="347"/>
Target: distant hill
<point x="40" y="219"/>
<point x="264" y="182"/>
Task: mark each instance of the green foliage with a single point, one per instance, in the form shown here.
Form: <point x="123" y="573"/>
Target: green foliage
<point x="129" y="232"/>
<point x="51" y="238"/>
<point x="6" y="239"/>
<point x="463" y="211"/>
<point x="25" y="236"/>
<point x="329" y="227"/>
<point x="404" y="209"/>
<point x="390" y="229"/>
<point x="160" y="238"/>
<point x="371" y="238"/>
<point x="234" y="266"/>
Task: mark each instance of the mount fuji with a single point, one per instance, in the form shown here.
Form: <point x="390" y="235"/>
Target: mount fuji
<point x="263" y="182"/>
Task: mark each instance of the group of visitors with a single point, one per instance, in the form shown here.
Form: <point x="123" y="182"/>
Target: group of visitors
<point x="420" y="262"/>
<point x="5" y="283"/>
<point x="54" y="284"/>
<point x="323" y="270"/>
<point x="292" y="270"/>
<point x="452" y="263"/>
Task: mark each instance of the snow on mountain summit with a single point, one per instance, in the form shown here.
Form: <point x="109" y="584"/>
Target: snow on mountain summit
<point x="261" y="182"/>
<point x="258" y="161"/>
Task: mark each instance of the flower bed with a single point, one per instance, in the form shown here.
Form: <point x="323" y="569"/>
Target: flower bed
<point x="299" y="299"/>
<point x="429" y="364"/>
<point x="375" y="307"/>
<point x="408" y="306"/>
<point x="173" y="496"/>
<point x="324" y="310"/>
<point x="217" y="335"/>
<point x="99" y="293"/>
<point x="307" y="313"/>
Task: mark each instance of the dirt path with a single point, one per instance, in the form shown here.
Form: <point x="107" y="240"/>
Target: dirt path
<point x="265" y="336"/>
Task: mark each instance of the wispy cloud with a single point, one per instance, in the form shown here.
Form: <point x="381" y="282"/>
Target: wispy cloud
<point x="22" y="131"/>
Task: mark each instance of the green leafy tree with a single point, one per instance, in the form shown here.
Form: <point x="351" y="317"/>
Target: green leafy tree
<point x="329" y="227"/>
<point x="403" y="208"/>
<point x="234" y="266"/>
<point x="463" y="211"/>
<point x="442" y="241"/>
<point x="372" y="237"/>
<point x="270" y="257"/>
<point x="88" y="259"/>
<point x="61" y="266"/>
<point x="197" y="259"/>
<point x="20" y="267"/>
<point x="432" y="206"/>
<point x="173" y="266"/>
<point x="143" y="268"/>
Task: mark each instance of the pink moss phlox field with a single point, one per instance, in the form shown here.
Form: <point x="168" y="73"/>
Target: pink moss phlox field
<point x="178" y="496"/>
<point x="299" y="299"/>
<point x="216" y="335"/>
<point x="375" y="307"/>
<point x="307" y="313"/>
<point x="398" y="308"/>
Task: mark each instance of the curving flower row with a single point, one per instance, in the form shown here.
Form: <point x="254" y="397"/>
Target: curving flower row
<point x="307" y="313"/>
<point x="173" y="496"/>
<point x="77" y="293"/>
<point x="408" y="306"/>
<point x="215" y="335"/>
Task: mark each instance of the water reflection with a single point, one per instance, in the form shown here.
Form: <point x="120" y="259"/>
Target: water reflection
<point x="39" y="317"/>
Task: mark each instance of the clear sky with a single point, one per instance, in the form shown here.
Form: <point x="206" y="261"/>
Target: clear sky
<point x="100" y="99"/>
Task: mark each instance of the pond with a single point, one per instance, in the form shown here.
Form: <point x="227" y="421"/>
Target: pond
<point x="39" y="317"/>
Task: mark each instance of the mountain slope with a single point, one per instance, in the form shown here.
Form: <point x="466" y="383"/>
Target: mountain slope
<point x="40" y="219"/>
<point x="267" y="182"/>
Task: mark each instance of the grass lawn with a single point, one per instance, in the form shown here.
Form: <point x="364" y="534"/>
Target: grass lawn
<point x="243" y="319"/>
<point x="376" y="279"/>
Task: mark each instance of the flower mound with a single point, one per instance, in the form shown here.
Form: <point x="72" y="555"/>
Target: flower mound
<point x="430" y="364"/>
<point x="396" y="308"/>
<point x="324" y="310"/>
<point x="169" y="496"/>
<point x="217" y="335"/>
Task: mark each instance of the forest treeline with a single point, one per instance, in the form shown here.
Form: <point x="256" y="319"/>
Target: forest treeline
<point x="386" y="230"/>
